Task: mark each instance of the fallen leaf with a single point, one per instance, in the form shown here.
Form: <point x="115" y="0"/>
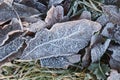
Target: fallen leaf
<point x="60" y="61"/>
<point x="86" y="58"/>
<point x="112" y="2"/>
<point x="10" y="48"/>
<point x="66" y="6"/>
<point x="114" y="75"/>
<point x="34" y="4"/>
<point x="103" y="19"/>
<point x="113" y="13"/>
<point x="85" y="15"/>
<point x="7" y="12"/>
<point x="115" y="58"/>
<point x="37" y="26"/>
<point x="114" y="64"/>
<point x="9" y="29"/>
<point x="54" y="2"/>
<point x="98" y="49"/>
<point x="62" y="39"/>
<point x="112" y="31"/>
<point x="54" y="15"/>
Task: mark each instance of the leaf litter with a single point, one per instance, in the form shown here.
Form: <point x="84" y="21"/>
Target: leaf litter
<point x="78" y="40"/>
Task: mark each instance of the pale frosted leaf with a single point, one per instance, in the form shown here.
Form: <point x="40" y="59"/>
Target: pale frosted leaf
<point x="114" y="75"/>
<point x="113" y="12"/>
<point x="112" y="31"/>
<point x="95" y="39"/>
<point x="62" y="39"/>
<point x="53" y="2"/>
<point x="35" y="4"/>
<point x="55" y="14"/>
<point x="37" y="26"/>
<point x="60" y="61"/>
<point x="115" y="58"/>
<point x="114" y="64"/>
<point x="7" y="13"/>
<point x="10" y="48"/>
<point x="9" y="29"/>
<point x="85" y="15"/>
<point x="103" y="19"/>
<point x="116" y="52"/>
<point x="99" y="49"/>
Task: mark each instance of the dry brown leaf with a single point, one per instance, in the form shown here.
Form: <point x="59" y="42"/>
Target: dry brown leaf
<point x="86" y="58"/>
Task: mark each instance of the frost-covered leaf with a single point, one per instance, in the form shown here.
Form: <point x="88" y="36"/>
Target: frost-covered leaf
<point x="9" y="29"/>
<point x="9" y="2"/>
<point x="113" y="12"/>
<point x="85" y="15"/>
<point x="114" y="64"/>
<point x="112" y="31"/>
<point x="7" y="12"/>
<point x="10" y="48"/>
<point x="99" y="70"/>
<point x="114" y="75"/>
<point x="54" y="2"/>
<point x="37" y="26"/>
<point x="60" y="61"/>
<point x="111" y="2"/>
<point x="115" y="58"/>
<point x="98" y="49"/>
<point x="103" y="19"/>
<point x="55" y="14"/>
<point x="62" y="39"/>
<point x="116" y="52"/>
<point x="35" y="4"/>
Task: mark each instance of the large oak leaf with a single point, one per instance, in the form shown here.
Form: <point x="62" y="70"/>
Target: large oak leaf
<point x="61" y="40"/>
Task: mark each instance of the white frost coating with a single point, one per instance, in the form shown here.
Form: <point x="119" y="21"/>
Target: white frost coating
<point x="10" y="48"/>
<point x="116" y="52"/>
<point x="61" y="40"/>
<point x="98" y="50"/>
<point x="52" y="2"/>
<point x="112" y="31"/>
<point x="7" y="30"/>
